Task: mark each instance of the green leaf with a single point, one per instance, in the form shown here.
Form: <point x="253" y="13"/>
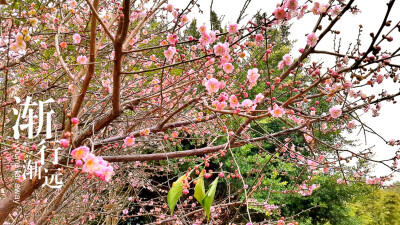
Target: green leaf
<point x="175" y="192"/>
<point x="199" y="189"/>
<point x="209" y="198"/>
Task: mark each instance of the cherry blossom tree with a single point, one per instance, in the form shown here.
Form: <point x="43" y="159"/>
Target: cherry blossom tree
<point x="143" y="110"/>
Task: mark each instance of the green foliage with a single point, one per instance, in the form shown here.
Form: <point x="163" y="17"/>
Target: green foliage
<point x="215" y="22"/>
<point x="205" y="199"/>
<point x="329" y="203"/>
<point x="175" y="192"/>
<point x="380" y="207"/>
<point x="199" y="189"/>
<point x="192" y="30"/>
<point x="209" y="198"/>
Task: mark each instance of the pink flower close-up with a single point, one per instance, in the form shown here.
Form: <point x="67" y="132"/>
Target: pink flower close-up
<point x="80" y="152"/>
<point x="81" y="59"/>
<point x="228" y="68"/>
<point x="76" y="38"/>
<point x="212" y="85"/>
<point x="335" y="111"/>
<point x="312" y="39"/>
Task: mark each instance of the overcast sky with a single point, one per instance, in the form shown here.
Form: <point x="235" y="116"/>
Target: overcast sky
<point x="372" y="13"/>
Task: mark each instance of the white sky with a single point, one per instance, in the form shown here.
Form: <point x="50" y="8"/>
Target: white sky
<point x="372" y="13"/>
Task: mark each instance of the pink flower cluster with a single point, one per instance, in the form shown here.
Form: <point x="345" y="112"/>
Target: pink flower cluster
<point x="81" y="59"/>
<point x="207" y="37"/>
<point x="287" y="60"/>
<point x="305" y="191"/>
<point x="319" y="8"/>
<point x="170" y="52"/>
<point x="172" y="38"/>
<point x="375" y="180"/>
<point x="19" y="43"/>
<point x="233" y="28"/>
<point x="129" y="140"/>
<point x="277" y="111"/>
<point x="93" y="164"/>
<point x="280" y="12"/>
<point x="228" y="68"/>
<point x="76" y="38"/>
<point x="252" y="76"/>
<point x="335" y="111"/>
<point x="212" y="85"/>
<point x="312" y="39"/>
<point x="221" y="49"/>
<point x="219" y="105"/>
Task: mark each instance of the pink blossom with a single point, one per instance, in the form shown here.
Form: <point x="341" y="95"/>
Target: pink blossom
<point x="172" y="38"/>
<point x="336" y="10"/>
<point x="312" y="39"/>
<point x="76" y="38"/>
<point x="315" y="8"/>
<point x="312" y="164"/>
<point x="380" y="78"/>
<point x="221" y="105"/>
<point x="351" y="125"/>
<point x="43" y="44"/>
<point x="81" y="59"/>
<point x="215" y="103"/>
<point x="205" y="39"/>
<point x="80" y="152"/>
<point x="225" y="59"/>
<point x="287" y="59"/>
<point x="169" y="53"/>
<point x="281" y="65"/>
<point x="106" y="173"/>
<point x="277" y="111"/>
<point x="64" y="143"/>
<point x="184" y="19"/>
<point x="19" y="37"/>
<point x="175" y="14"/>
<point x="335" y="111"/>
<point x="233" y="101"/>
<point x="222" y="97"/>
<point x="125" y="211"/>
<point x="376" y="180"/>
<point x="18" y="45"/>
<point x="233" y="28"/>
<point x="280" y="13"/>
<point x="78" y="162"/>
<point x="212" y="85"/>
<point x="247" y="103"/>
<point x="259" y="37"/>
<point x="228" y="68"/>
<point x="75" y="120"/>
<point x="259" y="98"/>
<point x="301" y="12"/>
<point x="253" y="75"/>
<point x="221" y="49"/>
<point x="174" y="134"/>
<point x="202" y="30"/>
<point x="291" y="4"/>
<point x="170" y="7"/>
<point x="323" y="8"/>
<point x="129" y="141"/>
<point x="91" y="163"/>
